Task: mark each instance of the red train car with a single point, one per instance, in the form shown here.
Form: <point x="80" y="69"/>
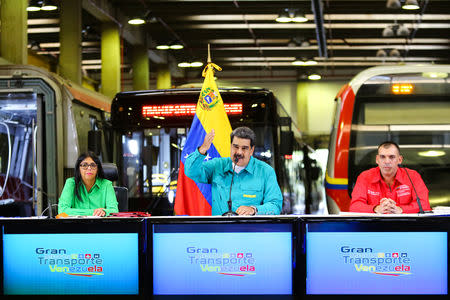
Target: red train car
<point x="409" y="105"/>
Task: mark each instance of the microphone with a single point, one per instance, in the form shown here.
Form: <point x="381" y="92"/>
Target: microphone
<point x="50" y="213"/>
<point x="230" y="212"/>
<point x="421" y="211"/>
<point x="49" y="206"/>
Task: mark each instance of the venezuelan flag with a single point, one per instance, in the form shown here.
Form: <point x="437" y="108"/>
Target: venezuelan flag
<point x="193" y="198"/>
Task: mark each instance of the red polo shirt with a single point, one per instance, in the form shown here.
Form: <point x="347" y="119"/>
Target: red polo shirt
<point x="370" y="188"/>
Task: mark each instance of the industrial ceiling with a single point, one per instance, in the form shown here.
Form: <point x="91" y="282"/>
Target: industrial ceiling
<point x="338" y="39"/>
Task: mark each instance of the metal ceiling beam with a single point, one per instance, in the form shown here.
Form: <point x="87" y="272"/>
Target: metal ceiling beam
<point x="327" y="17"/>
<point x="319" y="64"/>
<point x="357" y="26"/>
<point x="356" y="37"/>
<point x="334" y="41"/>
<point x="337" y="47"/>
<point x="336" y="58"/>
<point x="316" y="6"/>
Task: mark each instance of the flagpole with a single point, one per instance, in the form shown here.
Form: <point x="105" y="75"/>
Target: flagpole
<point x="209" y="54"/>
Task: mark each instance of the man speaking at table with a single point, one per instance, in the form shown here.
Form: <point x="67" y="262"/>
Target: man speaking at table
<point x="254" y="190"/>
<point x="389" y="188"/>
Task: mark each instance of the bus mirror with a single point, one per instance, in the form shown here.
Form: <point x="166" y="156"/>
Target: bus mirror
<point x="95" y="141"/>
<point x="286" y="143"/>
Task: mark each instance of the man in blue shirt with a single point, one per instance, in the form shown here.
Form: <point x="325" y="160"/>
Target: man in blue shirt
<point x="255" y="189"/>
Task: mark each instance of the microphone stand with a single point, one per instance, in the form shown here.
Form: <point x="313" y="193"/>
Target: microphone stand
<point x="230" y="213"/>
<point x="49" y="205"/>
<point x="421" y="211"/>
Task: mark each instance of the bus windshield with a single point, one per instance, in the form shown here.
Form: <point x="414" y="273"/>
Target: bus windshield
<point x="152" y="128"/>
<point x="417" y="119"/>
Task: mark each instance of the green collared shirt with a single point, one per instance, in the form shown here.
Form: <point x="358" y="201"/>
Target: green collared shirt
<point x="101" y="195"/>
<point x="256" y="185"/>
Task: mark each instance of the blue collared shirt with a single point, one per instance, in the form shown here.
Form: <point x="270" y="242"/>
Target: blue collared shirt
<point x="256" y="185"/>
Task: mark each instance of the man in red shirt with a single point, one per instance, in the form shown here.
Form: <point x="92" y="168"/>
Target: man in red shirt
<point x="387" y="189"/>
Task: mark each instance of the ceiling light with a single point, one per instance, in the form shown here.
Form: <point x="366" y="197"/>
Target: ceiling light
<point x="435" y="74"/>
<point x="411" y="5"/>
<point x="48" y="5"/>
<point x="196" y="64"/>
<point x="388" y="32"/>
<point x="394" y="53"/>
<point x="33" y="45"/>
<point x="314" y="77"/>
<point x="292" y="43"/>
<point x="291" y="15"/>
<point x="34" y="6"/>
<point x="304" y="62"/>
<point x="381" y="53"/>
<point x="393" y="4"/>
<point x="283" y="18"/>
<point x="310" y="62"/>
<point x="136" y="21"/>
<point x="299" y="18"/>
<point x="431" y="153"/>
<point x="163" y="47"/>
<point x="184" y="65"/>
<point x="298" y="62"/>
<point x="298" y="41"/>
<point x="176" y="46"/>
<point x="403" y="30"/>
<point x="305" y="43"/>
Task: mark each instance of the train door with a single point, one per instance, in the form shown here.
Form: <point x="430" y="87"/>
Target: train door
<point x="20" y="152"/>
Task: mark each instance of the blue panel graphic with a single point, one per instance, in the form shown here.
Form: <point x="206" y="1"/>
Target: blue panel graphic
<point x="45" y="264"/>
<point x="191" y="263"/>
<point x="376" y="263"/>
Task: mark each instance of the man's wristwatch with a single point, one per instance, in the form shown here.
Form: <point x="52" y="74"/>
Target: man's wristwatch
<point x="256" y="210"/>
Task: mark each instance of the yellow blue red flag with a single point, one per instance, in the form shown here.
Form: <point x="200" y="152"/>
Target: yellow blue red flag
<point x="193" y="198"/>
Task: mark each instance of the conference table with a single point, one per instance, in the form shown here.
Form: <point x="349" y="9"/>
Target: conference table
<point x="255" y="257"/>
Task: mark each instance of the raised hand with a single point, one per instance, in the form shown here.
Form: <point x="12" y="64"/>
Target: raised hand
<point x="207" y="142"/>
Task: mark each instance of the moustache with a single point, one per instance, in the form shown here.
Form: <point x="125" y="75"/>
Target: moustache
<point x="237" y="157"/>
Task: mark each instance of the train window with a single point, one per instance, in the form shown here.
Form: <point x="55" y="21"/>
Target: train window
<point x="93" y="122"/>
<point x="405" y="113"/>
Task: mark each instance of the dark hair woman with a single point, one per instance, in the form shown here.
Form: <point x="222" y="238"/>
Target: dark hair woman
<point x="88" y="193"/>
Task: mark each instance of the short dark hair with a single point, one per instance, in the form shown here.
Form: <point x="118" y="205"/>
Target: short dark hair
<point x="244" y="133"/>
<point x="388" y="144"/>
<point x="100" y="173"/>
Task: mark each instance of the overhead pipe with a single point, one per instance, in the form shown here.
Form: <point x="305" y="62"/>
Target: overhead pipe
<point x="316" y="6"/>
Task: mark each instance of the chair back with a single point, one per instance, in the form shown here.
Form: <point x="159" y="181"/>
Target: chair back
<point x="111" y="173"/>
<point x="122" y="198"/>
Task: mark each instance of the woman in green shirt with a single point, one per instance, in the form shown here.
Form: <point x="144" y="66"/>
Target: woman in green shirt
<point x="88" y="193"/>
